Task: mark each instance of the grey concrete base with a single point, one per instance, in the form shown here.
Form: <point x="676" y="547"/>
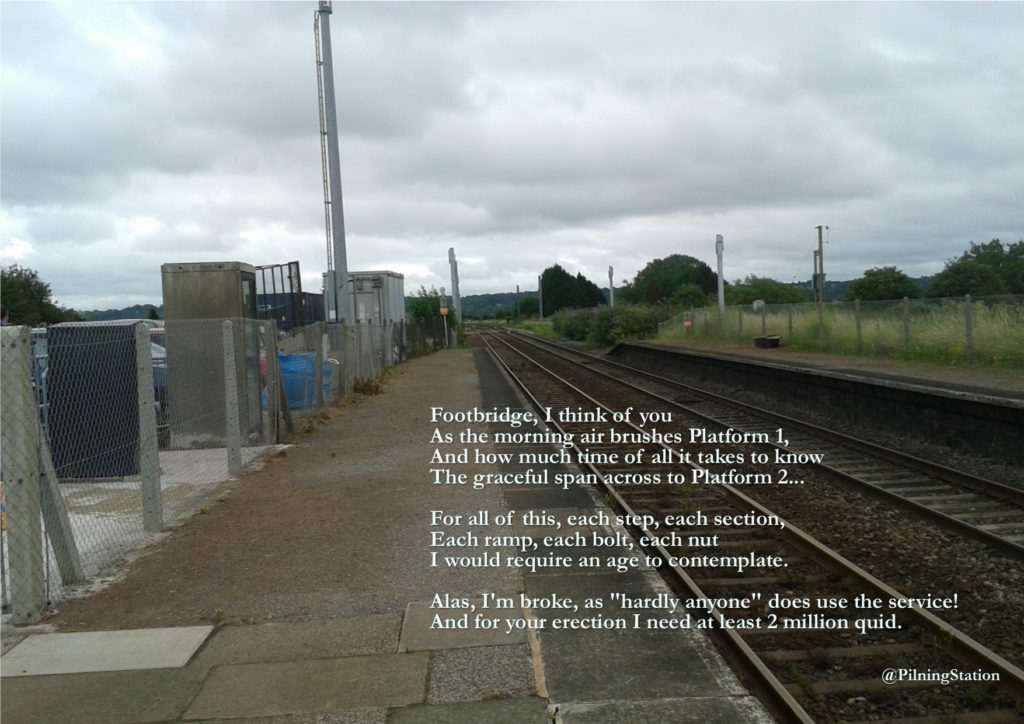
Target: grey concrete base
<point x="497" y="711"/>
<point x="110" y="697"/>
<point x="417" y="635"/>
<point x="323" y="685"/>
<point x="73" y="653"/>
<point x="332" y="638"/>
<point x="723" y="710"/>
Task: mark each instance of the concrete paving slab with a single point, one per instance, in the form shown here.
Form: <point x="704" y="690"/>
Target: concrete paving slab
<point x="417" y="634"/>
<point x="489" y="672"/>
<point x="726" y="710"/>
<point x="327" y="639"/>
<point x="73" y="653"/>
<point x="318" y="686"/>
<point x="114" y="697"/>
<point x="497" y="711"/>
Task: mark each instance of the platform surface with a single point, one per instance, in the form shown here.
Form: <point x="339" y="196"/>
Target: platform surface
<point x="314" y="574"/>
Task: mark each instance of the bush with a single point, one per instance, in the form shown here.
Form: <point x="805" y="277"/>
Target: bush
<point x="573" y="323"/>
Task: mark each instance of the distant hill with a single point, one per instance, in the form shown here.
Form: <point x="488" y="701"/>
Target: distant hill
<point x="838" y="290"/>
<point x="139" y="311"/>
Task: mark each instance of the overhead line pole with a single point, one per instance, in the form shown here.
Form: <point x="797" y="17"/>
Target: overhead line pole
<point x="325" y="66"/>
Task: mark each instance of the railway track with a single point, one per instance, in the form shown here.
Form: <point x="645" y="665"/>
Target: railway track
<point x="984" y="510"/>
<point x="814" y="669"/>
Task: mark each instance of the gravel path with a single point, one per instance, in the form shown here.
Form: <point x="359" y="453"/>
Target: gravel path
<point x="336" y="526"/>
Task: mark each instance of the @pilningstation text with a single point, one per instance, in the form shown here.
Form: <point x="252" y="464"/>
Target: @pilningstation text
<point x="951" y="676"/>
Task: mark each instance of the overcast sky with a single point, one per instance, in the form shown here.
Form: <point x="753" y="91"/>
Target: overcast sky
<point x="522" y="134"/>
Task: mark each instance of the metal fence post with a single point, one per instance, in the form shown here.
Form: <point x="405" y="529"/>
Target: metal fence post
<point x="856" y="320"/>
<point x="969" y="330"/>
<point x="19" y="430"/>
<point x="149" y="453"/>
<point x="233" y="436"/>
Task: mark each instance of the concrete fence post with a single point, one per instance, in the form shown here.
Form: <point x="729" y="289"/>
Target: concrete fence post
<point x="269" y="330"/>
<point x="233" y="435"/>
<point x="19" y="430"/>
<point x="856" y="321"/>
<point x="318" y="366"/>
<point x="149" y="452"/>
<point x="969" y="326"/>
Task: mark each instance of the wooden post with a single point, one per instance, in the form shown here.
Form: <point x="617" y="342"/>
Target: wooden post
<point x="969" y="322"/>
<point x="856" y="319"/>
<point x="906" y="327"/>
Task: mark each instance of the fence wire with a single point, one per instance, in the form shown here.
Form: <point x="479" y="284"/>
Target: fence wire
<point x="984" y="330"/>
<point x="111" y="432"/>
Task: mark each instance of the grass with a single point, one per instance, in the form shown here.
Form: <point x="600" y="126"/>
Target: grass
<point x="541" y="328"/>
<point x="932" y="330"/>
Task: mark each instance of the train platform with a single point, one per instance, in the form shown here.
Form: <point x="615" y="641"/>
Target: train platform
<point x="307" y="594"/>
<point x="991" y="382"/>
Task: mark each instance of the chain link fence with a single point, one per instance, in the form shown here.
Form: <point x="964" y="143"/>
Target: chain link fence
<point x="111" y="432"/>
<point x="981" y="330"/>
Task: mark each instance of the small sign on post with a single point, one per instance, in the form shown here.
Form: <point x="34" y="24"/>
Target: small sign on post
<point x="444" y="311"/>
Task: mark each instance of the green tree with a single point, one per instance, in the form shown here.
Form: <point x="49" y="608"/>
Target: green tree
<point x="561" y="290"/>
<point x="687" y="296"/>
<point x="425" y="305"/>
<point x="27" y="298"/>
<point x="883" y="282"/>
<point x="529" y="306"/>
<point x="657" y="281"/>
<point x="768" y="290"/>
<point x="966" y="276"/>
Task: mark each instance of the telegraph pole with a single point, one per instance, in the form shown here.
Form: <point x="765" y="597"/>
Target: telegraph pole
<point x="540" y="297"/>
<point x="819" y="264"/>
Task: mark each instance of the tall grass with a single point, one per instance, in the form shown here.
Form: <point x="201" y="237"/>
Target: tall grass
<point x="988" y="330"/>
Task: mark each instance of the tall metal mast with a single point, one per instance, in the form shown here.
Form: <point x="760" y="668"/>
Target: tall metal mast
<point x="456" y="297"/>
<point x="337" y="258"/>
